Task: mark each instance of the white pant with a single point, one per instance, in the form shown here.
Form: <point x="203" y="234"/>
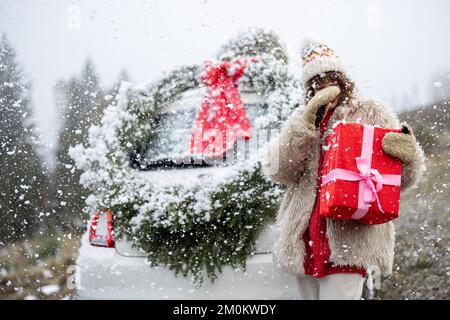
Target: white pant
<point x="339" y="286"/>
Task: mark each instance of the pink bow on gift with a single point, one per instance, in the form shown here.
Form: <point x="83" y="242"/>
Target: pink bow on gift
<point x="370" y="180"/>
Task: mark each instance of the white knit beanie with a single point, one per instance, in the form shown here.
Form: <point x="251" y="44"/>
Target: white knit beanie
<point x="318" y="58"/>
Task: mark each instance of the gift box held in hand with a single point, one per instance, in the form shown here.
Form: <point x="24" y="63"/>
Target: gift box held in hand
<point x="359" y="181"/>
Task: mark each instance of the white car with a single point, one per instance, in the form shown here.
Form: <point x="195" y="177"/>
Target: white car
<point x="108" y="270"/>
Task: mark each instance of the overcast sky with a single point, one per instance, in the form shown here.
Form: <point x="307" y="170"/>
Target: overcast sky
<point x="392" y="47"/>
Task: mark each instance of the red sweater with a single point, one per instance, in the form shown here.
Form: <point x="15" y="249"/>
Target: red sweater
<point x="317" y="249"/>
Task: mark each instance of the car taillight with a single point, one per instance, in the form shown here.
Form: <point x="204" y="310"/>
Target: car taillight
<point x="101" y="233"/>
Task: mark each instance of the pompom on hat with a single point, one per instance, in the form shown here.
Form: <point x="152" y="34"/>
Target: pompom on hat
<point x="318" y="58"/>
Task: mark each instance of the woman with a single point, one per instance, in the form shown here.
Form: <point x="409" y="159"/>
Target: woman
<point x="331" y="257"/>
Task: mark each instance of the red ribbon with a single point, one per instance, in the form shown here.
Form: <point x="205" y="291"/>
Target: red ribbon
<point x="222" y="118"/>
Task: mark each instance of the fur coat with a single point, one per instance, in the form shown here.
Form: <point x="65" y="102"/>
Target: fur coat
<point x="292" y="160"/>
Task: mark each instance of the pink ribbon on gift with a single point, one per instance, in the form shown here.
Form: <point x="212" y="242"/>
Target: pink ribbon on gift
<point x="370" y="180"/>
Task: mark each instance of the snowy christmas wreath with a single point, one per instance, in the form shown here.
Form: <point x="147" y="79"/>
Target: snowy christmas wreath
<point x="188" y="226"/>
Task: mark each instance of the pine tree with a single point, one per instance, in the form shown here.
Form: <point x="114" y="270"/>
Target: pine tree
<point x="23" y="183"/>
<point x="81" y="102"/>
<point x="114" y="91"/>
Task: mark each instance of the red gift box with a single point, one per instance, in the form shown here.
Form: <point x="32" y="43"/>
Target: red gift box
<point x="359" y="181"/>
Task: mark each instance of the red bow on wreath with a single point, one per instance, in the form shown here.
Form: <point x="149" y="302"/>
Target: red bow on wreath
<point x="222" y="118"/>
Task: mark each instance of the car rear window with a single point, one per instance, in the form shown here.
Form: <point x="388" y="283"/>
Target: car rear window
<point x="172" y="146"/>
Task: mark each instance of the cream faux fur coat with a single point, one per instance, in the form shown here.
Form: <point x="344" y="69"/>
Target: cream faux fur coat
<point x="292" y="160"/>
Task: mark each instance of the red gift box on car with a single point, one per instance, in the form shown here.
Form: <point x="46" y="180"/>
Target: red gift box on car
<point x="359" y="181"/>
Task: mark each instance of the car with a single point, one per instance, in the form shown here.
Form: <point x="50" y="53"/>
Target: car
<point x="109" y="269"/>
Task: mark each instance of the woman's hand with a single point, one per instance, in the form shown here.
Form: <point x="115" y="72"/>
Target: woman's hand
<point x="400" y="145"/>
<point x="321" y="98"/>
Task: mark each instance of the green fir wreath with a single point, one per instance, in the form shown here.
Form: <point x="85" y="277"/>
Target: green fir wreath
<point x="202" y="228"/>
